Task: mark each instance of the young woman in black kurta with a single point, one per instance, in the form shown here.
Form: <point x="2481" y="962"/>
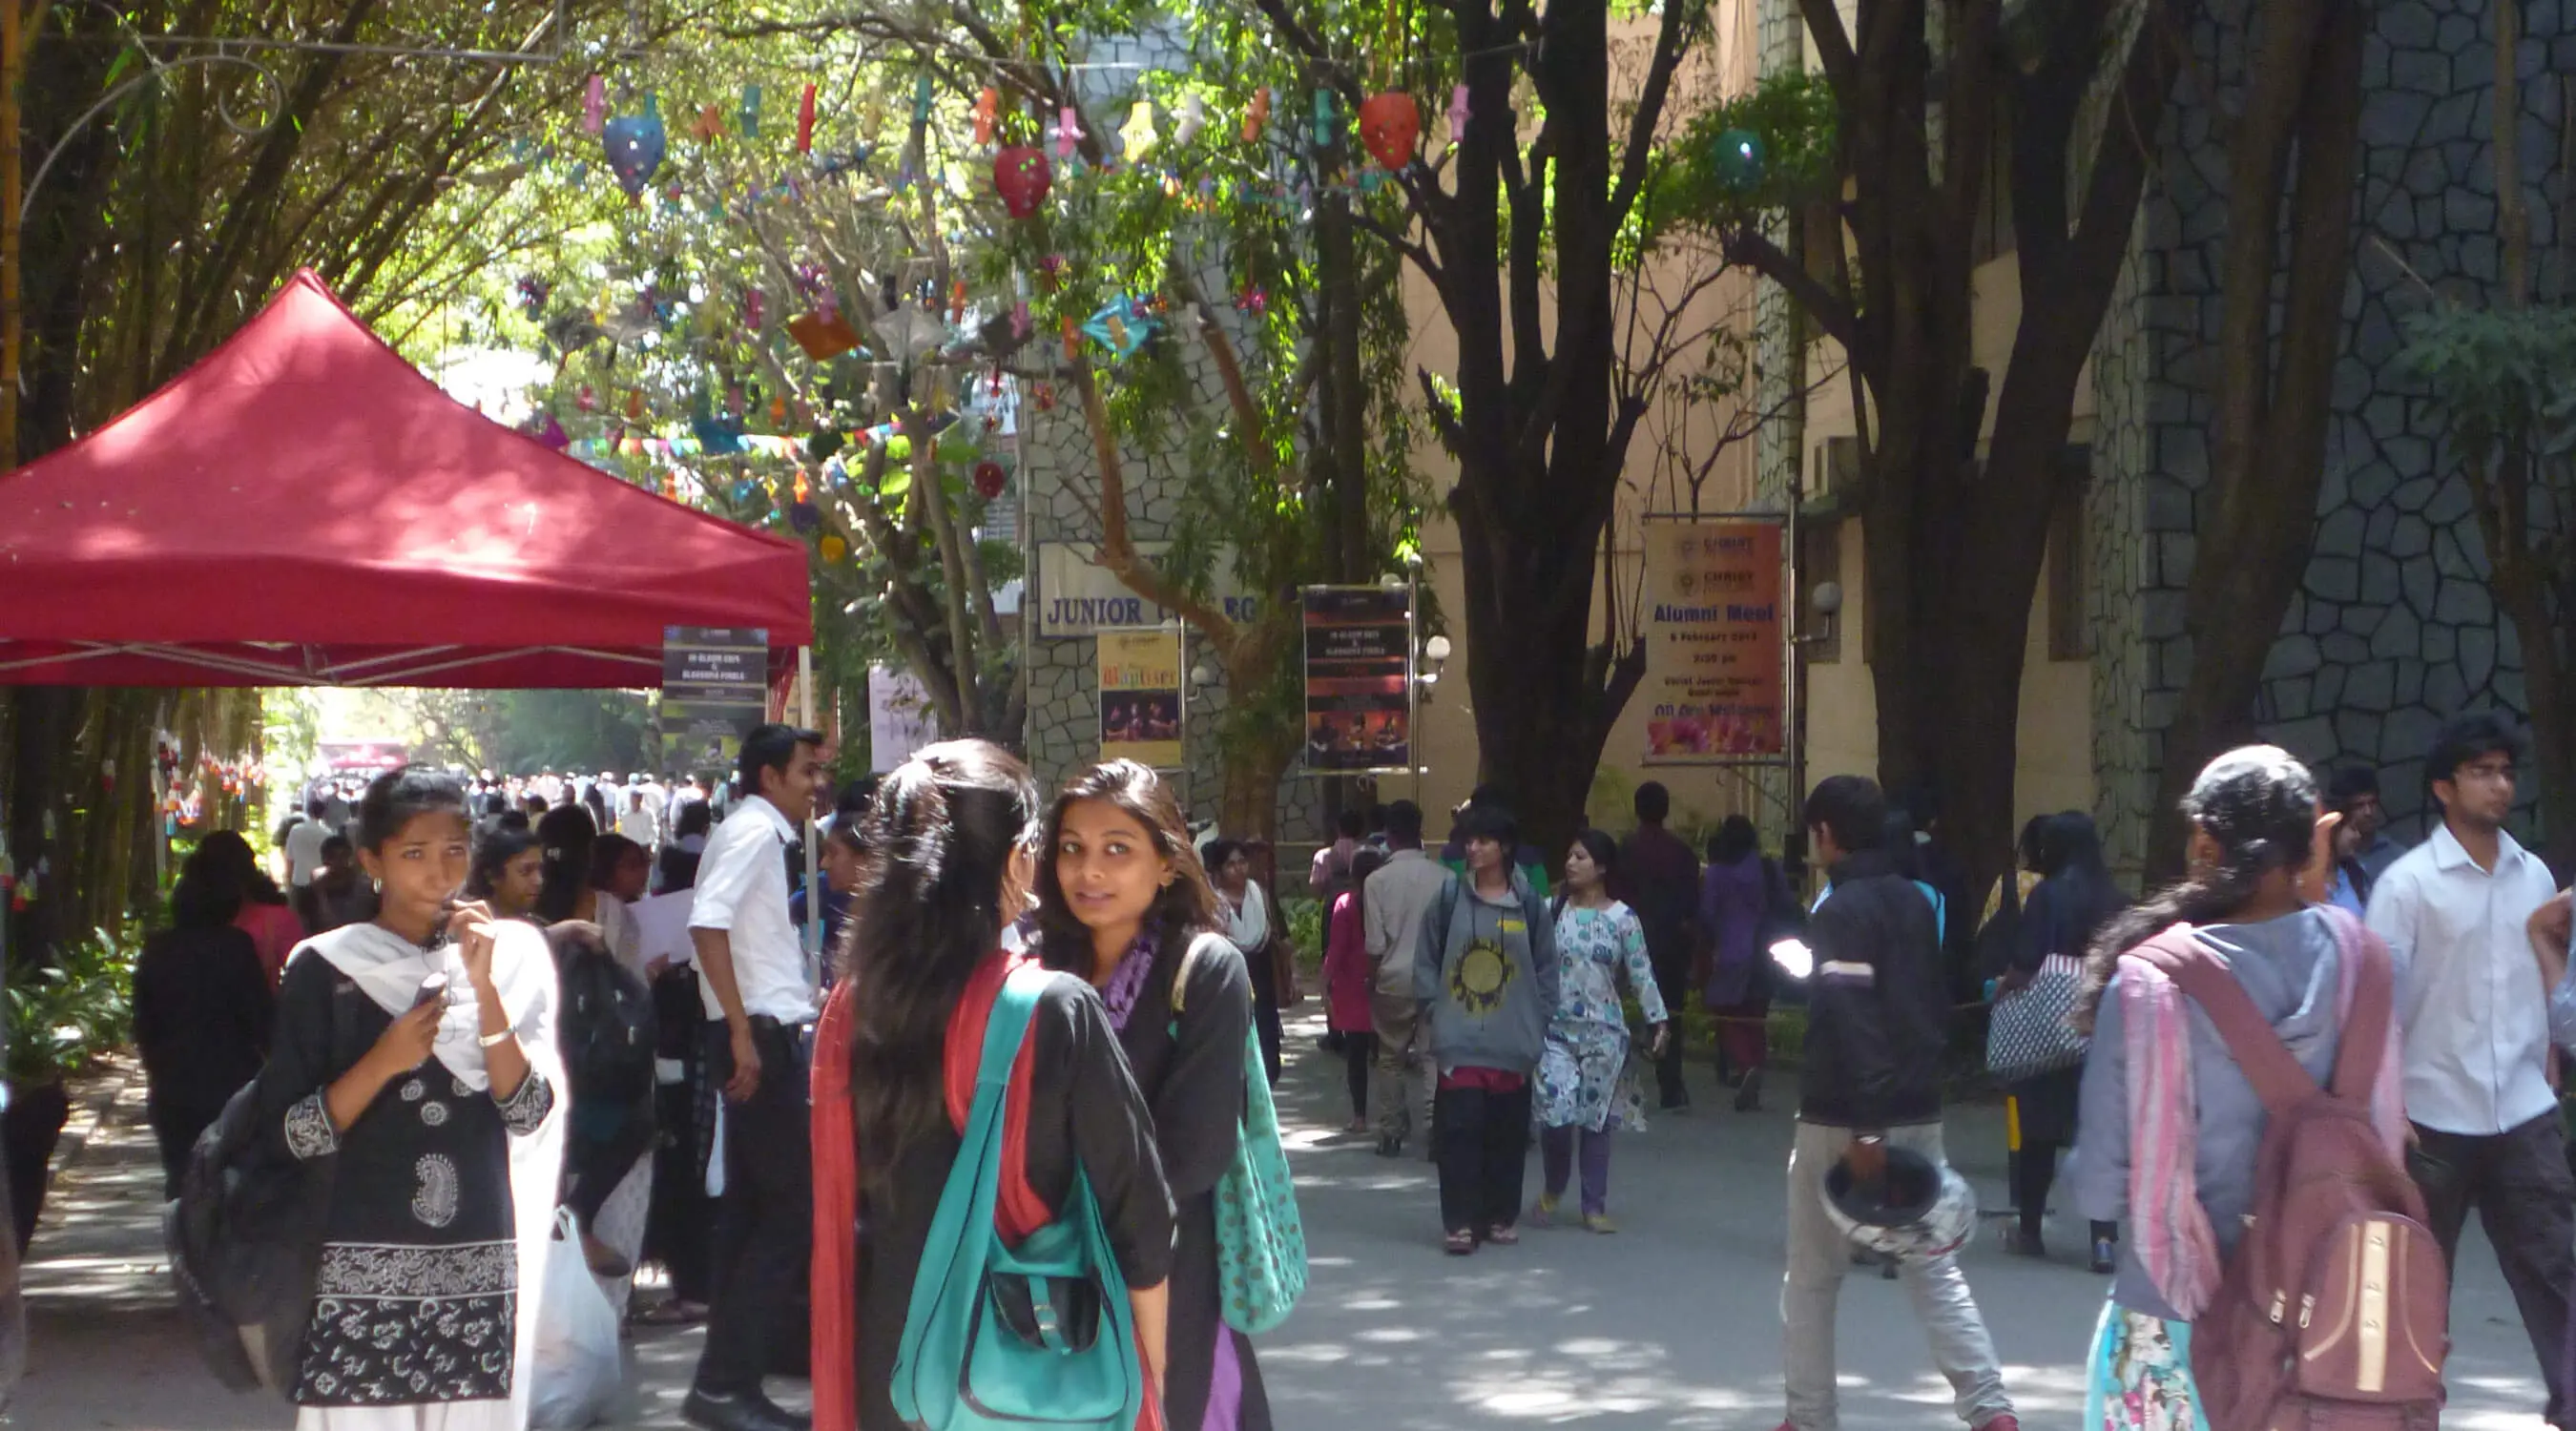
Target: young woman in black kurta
<point x="1121" y="899"/>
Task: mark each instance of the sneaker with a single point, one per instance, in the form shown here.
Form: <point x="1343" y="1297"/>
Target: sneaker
<point x="1748" y="1094"/>
<point x="1599" y="1222"/>
<point x="2103" y="1262"/>
<point x="1389" y="1146"/>
<point x="2022" y="1242"/>
<point x="1543" y="1212"/>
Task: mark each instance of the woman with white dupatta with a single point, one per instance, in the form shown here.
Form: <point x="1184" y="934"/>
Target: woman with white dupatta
<point x="417" y="1054"/>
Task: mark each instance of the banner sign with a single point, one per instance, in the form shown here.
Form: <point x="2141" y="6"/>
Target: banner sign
<point x="715" y="689"/>
<point x="1078" y="597"/>
<point x="1359" y="678"/>
<point x="361" y="757"/>
<point x="899" y="718"/>
<point x="1716" y="676"/>
<point x="1140" y="697"/>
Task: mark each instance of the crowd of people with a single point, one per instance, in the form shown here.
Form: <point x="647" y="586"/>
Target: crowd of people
<point x="1475" y="1000"/>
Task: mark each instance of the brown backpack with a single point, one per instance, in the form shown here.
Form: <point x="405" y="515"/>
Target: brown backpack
<point x="2333" y="1312"/>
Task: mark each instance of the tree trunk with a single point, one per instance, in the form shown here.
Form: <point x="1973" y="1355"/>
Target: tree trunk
<point x="43" y="720"/>
<point x="2274" y="386"/>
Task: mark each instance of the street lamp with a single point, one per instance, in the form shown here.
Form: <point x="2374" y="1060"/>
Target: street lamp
<point x="1827" y="602"/>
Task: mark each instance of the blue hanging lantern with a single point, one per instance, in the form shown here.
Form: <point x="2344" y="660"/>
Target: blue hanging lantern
<point x="635" y="145"/>
<point x="1739" y="159"/>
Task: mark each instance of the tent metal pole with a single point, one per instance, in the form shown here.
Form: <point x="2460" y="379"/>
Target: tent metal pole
<point x="813" y="844"/>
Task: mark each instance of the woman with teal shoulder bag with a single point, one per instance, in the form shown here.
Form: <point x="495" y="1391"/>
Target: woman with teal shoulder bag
<point x="1124" y="901"/>
<point x="1010" y="1267"/>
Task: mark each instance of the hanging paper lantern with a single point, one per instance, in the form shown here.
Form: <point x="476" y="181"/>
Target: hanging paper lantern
<point x="754" y="310"/>
<point x="823" y="336"/>
<point x="533" y="292"/>
<point x="957" y="301"/>
<point x="1068" y="132"/>
<point x="1739" y="159"/>
<point x="1046" y="397"/>
<point x="553" y="435"/>
<point x="635" y="145"/>
<point x="1458" y="116"/>
<point x="1136" y="138"/>
<point x="989" y="479"/>
<point x="777" y="411"/>
<point x="1258" y="116"/>
<point x="805" y="122"/>
<point x="751" y="111"/>
<point x="594" y="105"/>
<point x="833" y="548"/>
<point x="920" y="105"/>
<point x="1325" y="118"/>
<point x="1193" y="117"/>
<point x="587" y="399"/>
<point x="988" y="109"/>
<point x="709" y="126"/>
<point x="1254" y="300"/>
<point x="1119" y="326"/>
<point x="1021" y="175"/>
<point x="635" y="405"/>
<point x="1390" y="125"/>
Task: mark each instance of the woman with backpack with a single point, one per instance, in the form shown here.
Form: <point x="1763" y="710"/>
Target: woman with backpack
<point x="1581" y="1093"/>
<point x="950" y="844"/>
<point x="1124" y="902"/>
<point x="2186" y="1185"/>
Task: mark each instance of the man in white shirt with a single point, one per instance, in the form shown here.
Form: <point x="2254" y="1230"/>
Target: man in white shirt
<point x="304" y="843"/>
<point x="2455" y="912"/>
<point x="761" y="1004"/>
<point x="638" y="822"/>
<point x="1397" y="895"/>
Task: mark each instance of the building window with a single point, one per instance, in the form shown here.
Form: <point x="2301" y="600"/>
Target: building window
<point x="2070" y="568"/>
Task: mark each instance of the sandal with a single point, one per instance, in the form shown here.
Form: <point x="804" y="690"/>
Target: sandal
<point x="1459" y="1244"/>
<point x="1543" y="1212"/>
<point x="1504" y="1236"/>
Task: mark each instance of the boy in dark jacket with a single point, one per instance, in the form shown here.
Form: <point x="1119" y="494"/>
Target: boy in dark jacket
<point x="1876" y="1010"/>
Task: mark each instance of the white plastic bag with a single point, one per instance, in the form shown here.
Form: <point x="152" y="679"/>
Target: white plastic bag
<point x="578" y="1366"/>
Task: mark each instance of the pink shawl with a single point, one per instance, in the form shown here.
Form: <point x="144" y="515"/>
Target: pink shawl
<point x="2169" y="1229"/>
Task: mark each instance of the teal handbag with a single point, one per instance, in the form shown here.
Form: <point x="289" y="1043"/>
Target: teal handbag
<point x="1260" y="1242"/>
<point x="1038" y="1335"/>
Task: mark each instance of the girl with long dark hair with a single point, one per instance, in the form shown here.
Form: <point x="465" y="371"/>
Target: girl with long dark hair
<point x="1251" y="920"/>
<point x="416" y="1053"/>
<point x="2074" y="898"/>
<point x="2254" y="896"/>
<point x="949" y="847"/>
<point x="1349" y="980"/>
<point x="201" y="1016"/>
<point x="508" y="867"/>
<point x="225" y="860"/>
<point x="1122" y="900"/>
<point x="1579" y="1093"/>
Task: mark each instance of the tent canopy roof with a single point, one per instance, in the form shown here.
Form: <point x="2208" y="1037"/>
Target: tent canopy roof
<point x="303" y="507"/>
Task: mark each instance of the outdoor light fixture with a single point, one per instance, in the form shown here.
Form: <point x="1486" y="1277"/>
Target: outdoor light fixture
<point x="1435" y="658"/>
<point x="1827" y="602"/>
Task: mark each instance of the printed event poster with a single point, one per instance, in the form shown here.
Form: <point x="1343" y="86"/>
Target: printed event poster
<point x="1140" y="697"/>
<point x="1359" y="667"/>
<point x="900" y="720"/>
<point x="715" y="688"/>
<point x="1715" y="676"/>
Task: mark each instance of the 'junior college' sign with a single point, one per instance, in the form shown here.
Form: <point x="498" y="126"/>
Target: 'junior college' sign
<point x="1078" y="597"/>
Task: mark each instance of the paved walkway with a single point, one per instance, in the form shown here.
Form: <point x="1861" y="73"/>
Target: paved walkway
<point x="1672" y="1324"/>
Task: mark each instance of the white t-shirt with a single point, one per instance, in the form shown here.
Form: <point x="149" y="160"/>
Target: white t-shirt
<point x="742" y="889"/>
<point x="304" y="850"/>
<point x="638" y="825"/>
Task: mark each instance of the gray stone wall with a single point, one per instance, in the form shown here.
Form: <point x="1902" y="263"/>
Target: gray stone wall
<point x="2393" y="628"/>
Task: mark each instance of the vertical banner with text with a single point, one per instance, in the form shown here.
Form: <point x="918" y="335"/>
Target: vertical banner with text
<point x="1716" y="673"/>
<point x="1140" y="697"/>
<point x="715" y="688"/>
<point x="1359" y="679"/>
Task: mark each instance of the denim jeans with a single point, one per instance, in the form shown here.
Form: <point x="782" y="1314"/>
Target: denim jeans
<point x="1819" y="1256"/>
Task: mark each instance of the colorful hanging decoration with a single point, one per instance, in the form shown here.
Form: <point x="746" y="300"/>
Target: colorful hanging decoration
<point x="832" y="548"/>
<point x="635" y="405"/>
<point x="1022" y="176"/>
<point x="751" y="111"/>
<point x="533" y="292"/>
<point x="920" y="108"/>
<point x="1136" y="138"/>
<point x="1046" y="397"/>
<point x="990" y="479"/>
<point x="1068" y="132"/>
<point x="909" y="333"/>
<point x="587" y="399"/>
<point x="1390" y="125"/>
<point x="778" y="410"/>
<point x="553" y="435"/>
<point x="1254" y="300"/>
<point x="803" y="515"/>
<point x="1119" y="326"/>
<point x="1325" y="118"/>
<point x="594" y="105"/>
<point x="635" y="145"/>
<point x="716" y="436"/>
<point x="709" y="125"/>
<point x="805" y="122"/>
<point x="754" y="310"/>
<point x="1457" y="116"/>
<point x="823" y="336"/>
<point x="1072" y="338"/>
<point x="1256" y="118"/>
<point x="957" y="301"/>
<point x="1193" y="118"/>
<point x="1739" y="159"/>
<point x="988" y="111"/>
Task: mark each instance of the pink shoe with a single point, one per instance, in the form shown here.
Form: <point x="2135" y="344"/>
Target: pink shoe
<point x="2005" y="1422"/>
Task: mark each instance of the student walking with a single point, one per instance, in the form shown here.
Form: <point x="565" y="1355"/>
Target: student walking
<point x="760" y="1006"/>
<point x="2069" y="905"/>
<point x="1743" y="901"/>
<point x="1487" y="972"/>
<point x="948" y="847"/>
<point x="1124" y="902"/>
<point x="1349" y="981"/>
<point x="1584" y="1091"/>
<point x="202" y="1011"/>
<point x="1877" y="1011"/>
<point x="2258" y="863"/>
<point x="2454" y="912"/>
<point x="1397" y="898"/>
<point x="1658" y="880"/>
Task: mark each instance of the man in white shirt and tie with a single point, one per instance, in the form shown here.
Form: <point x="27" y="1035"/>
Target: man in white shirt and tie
<point x="2455" y="912"/>
<point x="760" y="1004"/>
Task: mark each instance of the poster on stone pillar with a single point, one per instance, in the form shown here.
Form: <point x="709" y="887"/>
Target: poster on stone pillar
<point x="899" y="718"/>
<point x="1716" y="676"/>
<point x="1359" y="666"/>
<point x="715" y="688"/>
<point x="1140" y="697"/>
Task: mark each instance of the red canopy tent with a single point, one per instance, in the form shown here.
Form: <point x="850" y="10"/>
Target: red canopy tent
<point x="303" y="508"/>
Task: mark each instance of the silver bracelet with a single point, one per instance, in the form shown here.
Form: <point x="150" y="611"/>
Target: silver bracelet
<point x="493" y="1040"/>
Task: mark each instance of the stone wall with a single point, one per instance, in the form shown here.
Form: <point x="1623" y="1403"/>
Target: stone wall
<point x="2393" y="628"/>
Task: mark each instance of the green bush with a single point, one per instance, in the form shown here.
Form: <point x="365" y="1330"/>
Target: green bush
<point x="63" y="1017"/>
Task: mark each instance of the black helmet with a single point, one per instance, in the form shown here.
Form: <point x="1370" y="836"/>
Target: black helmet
<point x="1919" y="1209"/>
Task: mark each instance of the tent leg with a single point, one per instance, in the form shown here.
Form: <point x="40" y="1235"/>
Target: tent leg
<point x="813" y="844"/>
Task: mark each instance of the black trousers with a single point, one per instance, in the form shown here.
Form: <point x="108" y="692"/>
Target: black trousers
<point x="764" y="1222"/>
<point x="1672" y="980"/>
<point x="1482" y="1142"/>
<point x="175" y="1126"/>
<point x="2519" y="1183"/>
<point x="1359" y="1050"/>
<point x="598" y="1158"/>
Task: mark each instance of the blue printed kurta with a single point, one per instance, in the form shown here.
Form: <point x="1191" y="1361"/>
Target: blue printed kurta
<point x="1587" y="1038"/>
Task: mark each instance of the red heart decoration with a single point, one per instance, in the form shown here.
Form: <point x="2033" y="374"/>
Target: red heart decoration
<point x="1022" y="175"/>
<point x="989" y="479"/>
<point x="1390" y="125"/>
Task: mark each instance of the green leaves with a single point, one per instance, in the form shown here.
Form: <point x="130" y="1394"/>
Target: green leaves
<point x="1788" y="118"/>
<point x="2502" y="378"/>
